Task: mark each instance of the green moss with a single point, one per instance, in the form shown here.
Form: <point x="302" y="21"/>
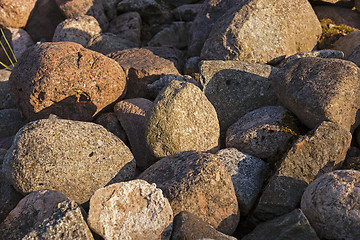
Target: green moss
<point x="331" y="33"/>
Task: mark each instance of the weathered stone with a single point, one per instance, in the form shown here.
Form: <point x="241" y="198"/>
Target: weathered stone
<point x="188" y="226"/>
<point x="179" y="2"/>
<point x="172" y="54"/>
<point x="309" y="157"/>
<point x="332" y="203"/>
<point x="131" y="114"/>
<point x="21" y="41"/>
<point x="235" y="88"/>
<point x="79" y="30"/>
<point x="111" y="123"/>
<point x="65" y="79"/>
<point x="339" y="15"/>
<point x="198" y="183"/>
<point x="107" y="43"/>
<point x="192" y="67"/>
<point x="29" y="212"/>
<point x="66" y="222"/>
<point x="5" y="98"/>
<point x="181" y="119"/>
<point x="348" y="43"/>
<point x="141" y="67"/>
<point x="187" y="12"/>
<point x="127" y="26"/>
<point x="10" y="122"/>
<point x="326" y="53"/>
<point x="341" y="3"/>
<point x="355" y="56"/>
<point x="247" y="173"/>
<point x="75" y="158"/>
<point x="261" y="30"/>
<point x="304" y="87"/>
<point x="130" y="210"/>
<point x="293" y="225"/>
<point x="266" y="133"/>
<point x="15" y="13"/>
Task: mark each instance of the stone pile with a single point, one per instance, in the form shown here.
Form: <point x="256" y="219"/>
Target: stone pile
<point x="190" y="119"/>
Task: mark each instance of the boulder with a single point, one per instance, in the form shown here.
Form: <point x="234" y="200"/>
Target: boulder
<point x="169" y="53"/>
<point x="107" y="43"/>
<point x="5" y="98"/>
<point x="331" y="203"/>
<point x="127" y="26"/>
<point x="15" y="13"/>
<point x="304" y="87"/>
<point x="187" y="12"/>
<point x="339" y="15"/>
<point x="355" y="56"/>
<point x="66" y="79"/>
<point x="110" y="8"/>
<point x="181" y="119"/>
<point x="10" y="122"/>
<point x="192" y="67"/>
<point x="341" y="3"/>
<point x="325" y="53"/>
<point x="78" y="29"/>
<point x="75" y="158"/>
<point x="111" y="123"/>
<point x="130" y="210"/>
<point x="179" y="2"/>
<point x="261" y="30"/>
<point x="21" y="41"/>
<point x="198" y="183"/>
<point x="348" y="43"/>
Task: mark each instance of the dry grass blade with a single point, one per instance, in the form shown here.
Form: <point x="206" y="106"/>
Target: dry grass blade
<point x="7" y="55"/>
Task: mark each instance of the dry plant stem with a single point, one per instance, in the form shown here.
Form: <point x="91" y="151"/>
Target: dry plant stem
<point x="3" y="47"/>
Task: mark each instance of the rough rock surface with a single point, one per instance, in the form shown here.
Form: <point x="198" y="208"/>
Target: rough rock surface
<point x="65" y="79"/>
<point x="10" y="122"/>
<point x="326" y="53"/>
<point x="187" y="12"/>
<point x="309" y="157"/>
<point x="293" y="225"/>
<point x="5" y="98"/>
<point x="111" y="123"/>
<point x="21" y="41"/>
<point x="198" y="183"/>
<point x="247" y="173"/>
<point x="304" y="87"/>
<point x="66" y="222"/>
<point x="30" y="211"/>
<point x="107" y="43"/>
<point x="342" y="3"/>
<point x="127" y="26"/>
<point x="79" y="30"/>
<point x="181" y="119"/>
<point x="261" y="30"/>
<point x="131" y="114"/>
<point x="332" y="204"/>
<point x="188" y="226"/>
<point x="75" y="158"/>
<point x="130" y="210"/>
<point x="347" y="43"/>
<point x="15" y="13"/>
<point x="339" y="15"/>
<point x="142" y="67"/>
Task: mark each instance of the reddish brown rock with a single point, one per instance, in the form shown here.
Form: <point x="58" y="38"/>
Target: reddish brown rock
<point x="111" y="123"/>
<point x="15" y="13"/>
<point x="142" y="67"/>
<point x="65" y="79"/>
<point x="198" y="183"/>
<point x="21" y="41"/>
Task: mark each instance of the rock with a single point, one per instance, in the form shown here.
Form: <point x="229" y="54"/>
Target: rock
<point x="131" y="114"/>
<point x="331" y="203"/>
<point x="65" y="79"/>
<point x="66" y="222"/>
<point x="130" y="210"/>
<point x="127" y="26"/>
<point x="186" y="12"/>
<point x="111" y="123"/>
<point x="49" y="153"/>
<point x="188" y="226"/>
<point x="78" y="29"/>
<point x="179" y="2"/>
<point x="172" y="54"/>
<point x="181" y="119"/>
<point x="304" y="87"/>
<point x="5" y="98"/>
<point x="10" y="122"/>
<point x="29" y="212"/>
<point x="233" y="38"/>
<point x="355" y="56"/>
<point x="339" y="15"/>
<point x="247" y="173"/>
<point x="341" y="3"/>
<point x="141" y="67"/>
<point x="198" y="183"/>
<point x="15" y="13"/>
<point x="5" y="143"/>
<point x="192" y="67"/>
<point x="78" y="8"/>
<point x="21" y="41"/>
<point x="326" y="53"/>
<point x="176" y="35"/>
<point x="293" y="225"/>
<point x="110" y="8"/>
<point x="348" y="43"/>
<point x="107" y="43"/>
<point x="235" y="88"/>
<point x="43" y="20"/>
<point x="266" y="133"/>
<point x="309" y="157"/>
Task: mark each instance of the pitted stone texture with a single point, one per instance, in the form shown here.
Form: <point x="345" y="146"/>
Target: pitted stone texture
<point x="142" y="67"/>
<point x="127" y="26"/>
<point x="332" y="205"/>
<point x="78" y="29"/>
<point x="130" y="210"/>
<point x="21" y="41"/>
<point x="15" y="13"/>
<point x="111" y="123"/>
<point x="66" y="79"/>
<point x="10" y="122"/>
<point x="198" y="183"/>
<point x="304" y="87"/>
<point x="247" y="173"/>
<point x="131" y="114"/>
<point x="261" y="30"/>
<point x="326" y="53"/>
<point x="66" y="222"/>
<point x="173" y="54"/>
<point x="30" y="211"/>
<point x="75" y="158"/>
<point x="181" y="119"/>
<point x="309" y="157"/>
<point x="107" y="43"/>
<point x="265" y="133"/>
